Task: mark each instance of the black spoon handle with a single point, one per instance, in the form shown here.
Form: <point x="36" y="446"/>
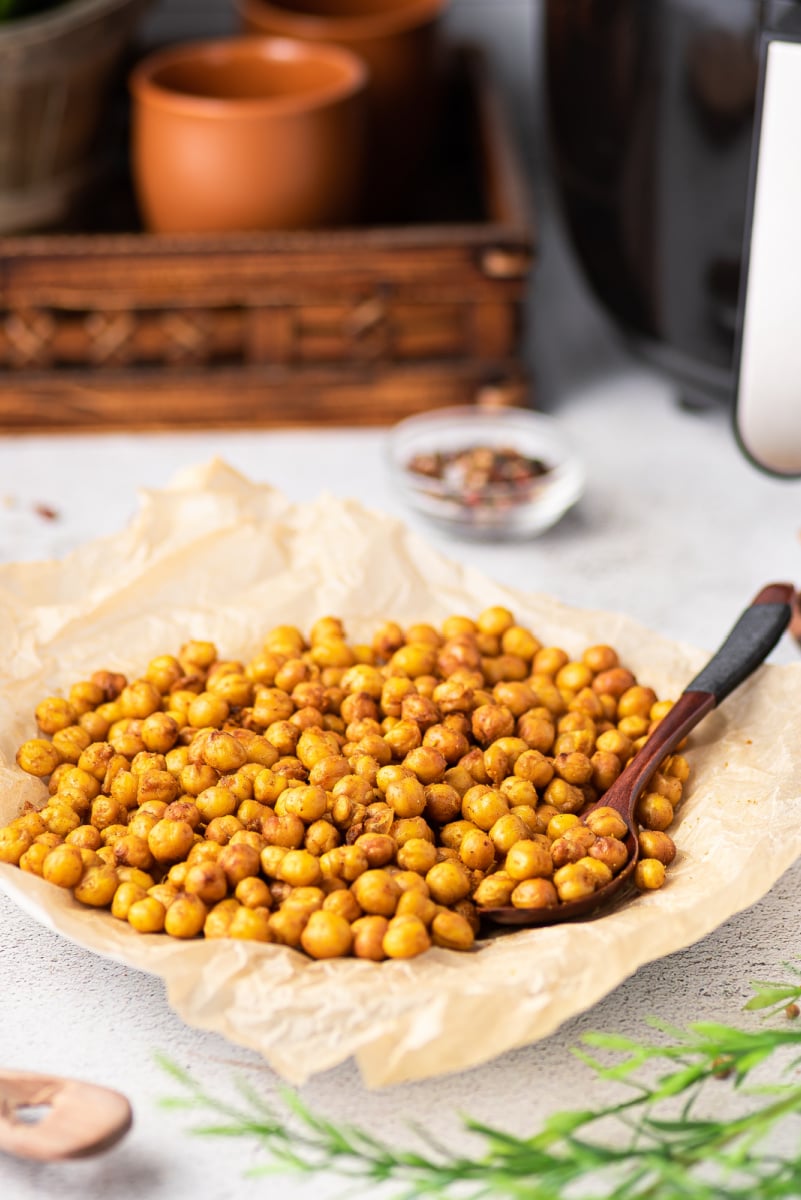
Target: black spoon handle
<point x="750" y="642"/>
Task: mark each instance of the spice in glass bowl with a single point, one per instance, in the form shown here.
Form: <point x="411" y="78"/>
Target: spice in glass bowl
<point x="482" y="475"/>
<point x="485" y="473"/>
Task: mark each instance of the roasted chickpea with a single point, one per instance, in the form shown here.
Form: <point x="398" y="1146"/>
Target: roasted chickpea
<point x="207" y="881"/>
<point x="405" y="937"/>
<point x="326" y="935"/>
<point x="97" y="886"/>
<point x="649" y="874"/>
<point x="250" y="924"/>
<point x="417" y="854"/>
<point x="477" y="850"/>
<point x="534" y="893"/>
<point x="657" y="844"/>
<point x="448" y="881"/>
<point x="492" y="721"/>
<point x="484" y="806"/>
<point x="63" y="866"/>
<point x="574" y="882"/>
<point x="654" y="811"/>
<point x="147" y="915"/>
<point x="376" y="892"/>
<point x="38" y="757"/>
<point x="186" y="916"/>
<point x="368" y="937"/>
<point x="300" y="869"/>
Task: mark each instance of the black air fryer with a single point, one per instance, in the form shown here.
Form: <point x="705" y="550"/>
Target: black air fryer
<point x="651" y="115"/>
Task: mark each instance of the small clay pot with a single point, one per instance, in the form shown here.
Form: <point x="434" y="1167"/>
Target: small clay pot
<point x="248" y="133"/>
<point x="400" y="42"/>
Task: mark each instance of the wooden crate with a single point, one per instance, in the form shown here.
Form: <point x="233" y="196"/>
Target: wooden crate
<point x="123" y="330"/>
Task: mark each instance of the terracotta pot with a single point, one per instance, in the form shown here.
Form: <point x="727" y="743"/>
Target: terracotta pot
<point x="248" y="133"/>
<point x="399" y="40"/>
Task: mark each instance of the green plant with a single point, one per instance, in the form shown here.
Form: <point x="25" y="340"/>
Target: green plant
<point x="659" y="1142"/>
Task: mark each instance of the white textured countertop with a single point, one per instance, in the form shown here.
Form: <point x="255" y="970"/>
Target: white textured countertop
<point x="675" y="529"/>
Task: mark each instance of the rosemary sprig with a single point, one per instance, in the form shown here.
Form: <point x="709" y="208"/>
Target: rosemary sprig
<point x="660" y="1141"/>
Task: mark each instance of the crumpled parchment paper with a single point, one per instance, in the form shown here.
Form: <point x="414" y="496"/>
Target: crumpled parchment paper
<point x="216" y="556"/>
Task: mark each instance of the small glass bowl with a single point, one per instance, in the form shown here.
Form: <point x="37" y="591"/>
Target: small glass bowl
<point x="495" y="510"/>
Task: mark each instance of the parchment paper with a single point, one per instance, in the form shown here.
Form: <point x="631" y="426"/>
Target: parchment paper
<point x="215" y="556"/>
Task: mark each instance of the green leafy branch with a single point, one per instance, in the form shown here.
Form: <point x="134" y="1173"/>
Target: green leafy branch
<point x="658" y="1142"/>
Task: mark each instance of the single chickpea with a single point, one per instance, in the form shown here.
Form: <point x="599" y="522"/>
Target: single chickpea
<point x="368" y="937"/>
<point x="14" y="842"/>
<point x="38" y="757"/>
<point x="610" y="851"/>
<point x="32" y="859"/>
<point x="85" y="837"/>
<point x="417" y="855"/>
<point x="443" y="803"/>
<point x="207" y="710"/>
<point x="71" y="742"/>
<point x="452" y="931"/>
<point x="574" y="882"/>
<point x="55" y="713"/>
<point x="427" y="764"/>
<point x="448" y="882"/>
<point x="613" y="682"/>
<point x="668" y="786"/>
<point x="218" y="921"/>
<point x="405" y="937"/>
<point x="537" y="731"/>
<point x="239" y="862"/>
<point x="308" y="803"/>
<point x="565" y="797"/>
<point x="287" y="925"/>
<point x="574" y="844"/>
<point x="300" y="869"/>
<point x="534" y="893"/>
<point x="127" y="893"/>
<point x="147" y="915"/>
<point x="321" y="836"/>
<point x="253" y="892"/>
<point x="677" y="767"/>
<point x="494" y="891"/>
<point x="132" y="851"/>
<point x="206" y="881"/>
<point x="573" y="676"/>
<point x="484" y="807"/>
<point x="477" y="850"/>
<point x="654" y="811"/>
<point x="417" y="904"/>
<point x="216" y="802"/>
<point x="326" y="935"/>
<point x="492" y="721"/>
<point x="507" y="831"/>
<point x="649" y="874"/>
<point x="186" y="916"/>
<point x="528" y="859"/>
<point x="250" y="924"/>
<point x="406" y="796"/>
<point x="606" y="822"/>
<point x="657" y="844"/>
<point x="376" y="892"/>
<point x="344" y="904"/>
<point x="97" y="887"/>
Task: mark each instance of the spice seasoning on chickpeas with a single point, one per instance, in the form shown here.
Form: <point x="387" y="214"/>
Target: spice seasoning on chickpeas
<point x="344" y="799"/>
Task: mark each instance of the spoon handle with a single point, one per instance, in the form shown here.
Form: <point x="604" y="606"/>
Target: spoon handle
<point x="749" y="643"/>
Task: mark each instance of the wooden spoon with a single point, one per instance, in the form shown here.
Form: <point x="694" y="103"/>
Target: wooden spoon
<point x="749" y="643"/>
<point x="81" y="1118"/>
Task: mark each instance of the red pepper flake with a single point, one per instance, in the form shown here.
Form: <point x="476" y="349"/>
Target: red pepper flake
<point x="46" y="512"/>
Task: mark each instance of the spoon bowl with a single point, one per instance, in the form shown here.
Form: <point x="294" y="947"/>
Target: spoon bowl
<point x="751" y="640"/>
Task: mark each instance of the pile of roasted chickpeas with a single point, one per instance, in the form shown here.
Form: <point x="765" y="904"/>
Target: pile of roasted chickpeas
<point x="344" y="799"/>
